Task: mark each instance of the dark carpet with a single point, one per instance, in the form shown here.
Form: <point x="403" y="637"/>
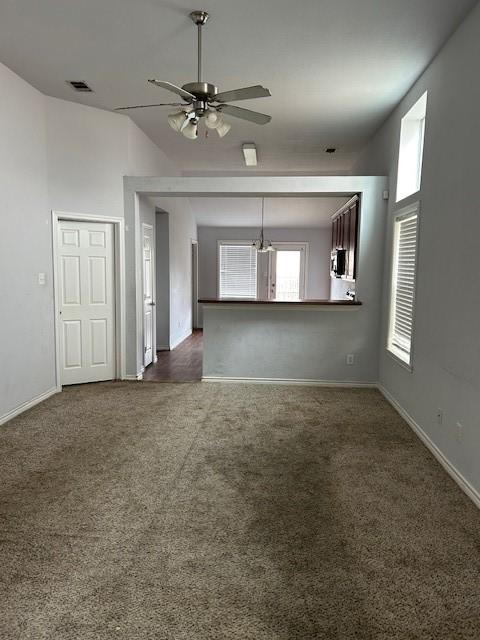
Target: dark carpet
<point x="198" y="511"/>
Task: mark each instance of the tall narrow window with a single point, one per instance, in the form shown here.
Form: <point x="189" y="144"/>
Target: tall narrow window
<point x="410" y="157"/>
<point x="402" y="303"/>
<point x="237" y="277"/>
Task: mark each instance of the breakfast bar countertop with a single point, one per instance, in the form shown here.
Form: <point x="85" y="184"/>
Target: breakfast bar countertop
<point x="343" y="303"/>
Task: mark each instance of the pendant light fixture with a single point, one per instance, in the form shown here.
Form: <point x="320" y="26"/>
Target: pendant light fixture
<point x="262" y="245"/>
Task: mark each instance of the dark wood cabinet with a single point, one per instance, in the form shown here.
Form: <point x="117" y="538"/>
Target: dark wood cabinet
<point x="345" y="237"/>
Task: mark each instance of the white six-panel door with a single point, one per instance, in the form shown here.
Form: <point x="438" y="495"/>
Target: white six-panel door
<point x="86" y="301"/>
<point x="148" y="288"/>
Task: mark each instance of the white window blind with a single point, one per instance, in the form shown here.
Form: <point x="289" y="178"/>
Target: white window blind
<point x="237" y="270"/>
<point x="402" y="305"/>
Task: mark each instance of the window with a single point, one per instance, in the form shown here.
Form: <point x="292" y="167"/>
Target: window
<point x="410" y="157"/>
<point x="402" y="302"/>
<point x="237" y="277"/>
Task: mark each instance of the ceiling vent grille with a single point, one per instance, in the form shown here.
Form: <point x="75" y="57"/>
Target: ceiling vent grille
<point x="80" y="85"/>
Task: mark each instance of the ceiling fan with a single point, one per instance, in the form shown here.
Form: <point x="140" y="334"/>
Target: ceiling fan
<point x="202" y="100"/>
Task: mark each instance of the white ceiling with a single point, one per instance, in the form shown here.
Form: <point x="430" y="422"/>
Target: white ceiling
<point x="279" y="212"/>
<point x="335" y="68"/>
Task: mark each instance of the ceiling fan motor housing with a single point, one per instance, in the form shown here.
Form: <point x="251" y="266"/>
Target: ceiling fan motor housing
<point x="201" y="90"/>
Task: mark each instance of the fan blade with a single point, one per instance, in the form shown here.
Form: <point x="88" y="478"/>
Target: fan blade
<point x="172" y="87"/>
<point x="245" y="114"/>
<point x="246" y="93"/>
<point x="143" y="106"/>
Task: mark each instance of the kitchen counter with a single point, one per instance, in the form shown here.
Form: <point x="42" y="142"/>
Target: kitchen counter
<point x="242" y="301"/>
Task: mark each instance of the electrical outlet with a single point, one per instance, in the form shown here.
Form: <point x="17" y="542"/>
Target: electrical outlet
<point x="459" y="431"/>
<point x="350" y="358"/>
<point x="42" y="279"/>
<point x="439" y="416"/>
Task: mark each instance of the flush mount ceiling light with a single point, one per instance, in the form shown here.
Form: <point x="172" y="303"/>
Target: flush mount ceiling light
<point x="250" y="154"/>
<point x="262" y="245"/>
<point x="202" y="99"/>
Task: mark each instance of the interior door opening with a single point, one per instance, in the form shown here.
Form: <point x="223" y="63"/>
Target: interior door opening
<point x="148" y="295"/>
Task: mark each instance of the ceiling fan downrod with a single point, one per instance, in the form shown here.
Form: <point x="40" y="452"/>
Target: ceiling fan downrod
<point x="199" y="18"/>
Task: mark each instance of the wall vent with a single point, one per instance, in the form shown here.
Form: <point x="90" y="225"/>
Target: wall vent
<point x="80" y="85"/>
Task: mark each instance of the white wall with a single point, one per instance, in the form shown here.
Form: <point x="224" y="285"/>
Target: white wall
<point x="162" y="266"/>
<point x="26" y="309"/>
<point x="182" y="230"/>
<point x="63" y="156"/>
<point x="317" y="277"/>
<point x="446" y="361"/>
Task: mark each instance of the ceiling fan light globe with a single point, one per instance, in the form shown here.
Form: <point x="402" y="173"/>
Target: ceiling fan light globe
<point x="190" y="131"/>
<point x="177" y="120"/>
<point x="223" y="128"/>
<point x="213" y="119"/>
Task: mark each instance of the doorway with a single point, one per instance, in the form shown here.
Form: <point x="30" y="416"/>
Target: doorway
<point x="286" y="272"/>
<point x="194" y="285"/>
<point x="85" y="295"/>
<point x="148" y="294"/>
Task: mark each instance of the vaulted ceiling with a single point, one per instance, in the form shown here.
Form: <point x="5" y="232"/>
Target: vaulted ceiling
<point x="335" y="68"/>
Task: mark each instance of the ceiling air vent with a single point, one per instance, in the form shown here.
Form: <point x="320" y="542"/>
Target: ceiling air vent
<point x="80" y="85"/>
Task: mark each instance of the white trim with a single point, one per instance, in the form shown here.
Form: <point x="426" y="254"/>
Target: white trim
<point x="454" y="473"/>
<point x="292" y="381"/>
<point x="180" y="339"/>
<point x="29" y="404"/>
<point x="135" y="377"/>
<point x="119" y="259"/>
<point x="146" y="225"/>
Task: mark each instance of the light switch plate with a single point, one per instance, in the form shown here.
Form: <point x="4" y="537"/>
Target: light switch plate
<point x="42" y="278"/>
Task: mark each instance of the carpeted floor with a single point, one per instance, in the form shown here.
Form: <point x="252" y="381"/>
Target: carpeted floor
<point x="197" y="511"/>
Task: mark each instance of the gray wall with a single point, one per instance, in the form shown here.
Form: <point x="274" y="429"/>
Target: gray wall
<point x="163" y="280"/>
<point x="317" y="277"/>
<point x="67" y="157"/>
<point x="27" y="344"/>
<point x="182" y="230"/>
<point x="307" y="344"/>
<point x="446" y="362"/>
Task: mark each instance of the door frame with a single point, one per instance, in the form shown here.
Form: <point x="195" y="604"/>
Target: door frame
<point x="305" y="247"/>
<point x="147" y="225"/>
<point x="119" y="275"/>
<point x="194" y="244"/>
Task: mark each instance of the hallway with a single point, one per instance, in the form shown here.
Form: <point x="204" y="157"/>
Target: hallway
<point x="182" y="364"/>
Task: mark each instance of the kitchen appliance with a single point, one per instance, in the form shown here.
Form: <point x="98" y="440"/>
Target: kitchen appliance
<point x="338" y="263"/>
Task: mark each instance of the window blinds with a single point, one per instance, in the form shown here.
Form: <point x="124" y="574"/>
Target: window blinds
<point x="403" y="285"/>
<point x="237" y="271"/>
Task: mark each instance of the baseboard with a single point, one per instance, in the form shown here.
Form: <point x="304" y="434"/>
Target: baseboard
<point x="292" y="381"/>
<point x="163" y="347"/>
<point x="29" y="404"/>
<point x="135" y="376"/>
<point x="181" y="339"/>
<point x="452" y="471"/>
